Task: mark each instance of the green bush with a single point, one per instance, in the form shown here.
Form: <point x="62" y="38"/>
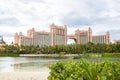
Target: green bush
<point x="84" y="70"/>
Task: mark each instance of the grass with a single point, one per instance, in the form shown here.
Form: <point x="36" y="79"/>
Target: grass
<point x="104" y="55"/>
<point x="9" y="55"/>
<point x="111" y="55"/>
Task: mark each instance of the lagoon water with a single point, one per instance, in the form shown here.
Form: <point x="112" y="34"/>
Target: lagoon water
<point x="27" y="64"/>
<point x="33" y="64"/>
<point x="32" y="68"/>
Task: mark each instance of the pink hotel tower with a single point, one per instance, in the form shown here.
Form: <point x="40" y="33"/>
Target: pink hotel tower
<point x="58" y="35"/>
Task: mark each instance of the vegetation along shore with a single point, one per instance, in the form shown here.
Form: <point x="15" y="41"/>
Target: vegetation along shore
<point x="89" y="49"/>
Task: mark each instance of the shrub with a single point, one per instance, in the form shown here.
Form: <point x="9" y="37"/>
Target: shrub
<point x="85" y="70"/>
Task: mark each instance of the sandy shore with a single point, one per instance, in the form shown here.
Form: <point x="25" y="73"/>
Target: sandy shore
<point x="24" y="75"/>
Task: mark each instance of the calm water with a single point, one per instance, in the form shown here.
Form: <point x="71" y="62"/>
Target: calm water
<point x="12" y="64"/>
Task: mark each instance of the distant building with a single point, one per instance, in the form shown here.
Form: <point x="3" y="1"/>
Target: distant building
<point x="57" y="35"/>
<point x="2" y="42"/>
<point x="85" y="36"/>
<point x="116" y="41"/>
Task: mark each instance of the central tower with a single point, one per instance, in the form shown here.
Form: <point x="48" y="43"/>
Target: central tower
<point x="58" y="34"/>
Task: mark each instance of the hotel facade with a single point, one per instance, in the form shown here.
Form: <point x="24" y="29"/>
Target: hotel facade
<point x="85" y="36"/>
<point x="58" y="35"/>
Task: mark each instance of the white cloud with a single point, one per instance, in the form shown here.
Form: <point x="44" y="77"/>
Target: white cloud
<point x="21" y="15"/>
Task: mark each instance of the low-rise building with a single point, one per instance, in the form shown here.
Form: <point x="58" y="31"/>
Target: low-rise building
<point x="116" y="41"/>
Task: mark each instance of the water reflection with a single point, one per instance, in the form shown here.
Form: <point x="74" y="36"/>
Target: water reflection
<point x="31" y="66"/>
<point x="12" y="64"/>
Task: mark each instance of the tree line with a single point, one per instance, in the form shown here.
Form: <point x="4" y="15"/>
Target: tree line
<point x="67" y="49"/>
<point x="82" y="48"/>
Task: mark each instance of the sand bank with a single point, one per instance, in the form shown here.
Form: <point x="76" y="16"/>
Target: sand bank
<point x="24" y="75"/>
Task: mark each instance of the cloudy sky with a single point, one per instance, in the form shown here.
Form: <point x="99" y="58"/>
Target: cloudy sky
<point x="21" y="15"/>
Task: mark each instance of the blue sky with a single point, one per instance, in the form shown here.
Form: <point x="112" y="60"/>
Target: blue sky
<point x="21" y="15"/>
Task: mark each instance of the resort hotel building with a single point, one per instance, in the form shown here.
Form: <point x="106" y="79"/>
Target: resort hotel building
<point x="58" y="35"/>
<point x="85" y="36"/>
